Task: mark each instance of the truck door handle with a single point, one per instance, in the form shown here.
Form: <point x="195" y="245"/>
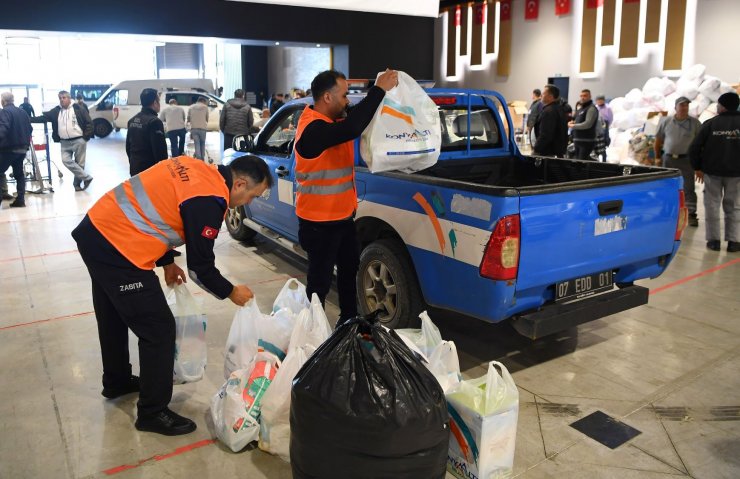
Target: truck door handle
<point x="281" y="171"/>
<point x="613" y="207"/>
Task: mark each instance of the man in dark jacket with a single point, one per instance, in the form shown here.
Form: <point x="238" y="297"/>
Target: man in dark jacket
<point x="715" y="157"/>
<point x="145" y="139"/>
<point x="584" y="127"/>
<point x="72" y="127"/>
<point x="15" y="136"/>
<point x="551" y="129"/>
<point x="27" y="107"/>
<point x="236" y="118"/>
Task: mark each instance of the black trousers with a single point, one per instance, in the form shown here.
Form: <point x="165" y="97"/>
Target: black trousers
<point x="126" y="297"/>
<point x="328" y="244"/>
<point x="177" y="141"/>
<point x="228" y="140"/>
<point x="15" y="160"/>
<point x="584" y="149"/>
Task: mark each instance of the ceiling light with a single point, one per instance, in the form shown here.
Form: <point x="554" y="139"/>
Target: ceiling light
<point x="277" y="43"/>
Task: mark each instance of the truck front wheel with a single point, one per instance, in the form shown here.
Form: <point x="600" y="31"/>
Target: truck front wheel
<point x="386" y="281"/>
<point x="101" y="128"/>
<point x="237" y="229"/>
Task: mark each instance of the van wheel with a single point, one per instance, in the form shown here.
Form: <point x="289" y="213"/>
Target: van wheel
<point x="101" y="128"/>
<point x="236" y="227"/>
<point x="386" y="281"/>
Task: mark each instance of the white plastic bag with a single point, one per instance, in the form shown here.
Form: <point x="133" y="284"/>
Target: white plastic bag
<point x="311" y="326"/>
<point x="191" y="350"/>
<point x="292" y="296"/>
<point x="405" y="132"/>
<point x="483" y="419"/>
<point x="426" y="339"/>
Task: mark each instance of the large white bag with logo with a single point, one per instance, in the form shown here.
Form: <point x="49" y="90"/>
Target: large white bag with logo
<point x="190" y="336"/>
<point x="405" y="132"/>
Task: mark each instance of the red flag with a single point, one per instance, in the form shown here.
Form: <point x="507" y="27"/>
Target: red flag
<point x="505" y="10"/>
<point x="458" y="16"/>
<point x="532" y="10"/>
<point x="562" y="7"/>
<point x="479" y="14"/>
<point x="594" y="3"/>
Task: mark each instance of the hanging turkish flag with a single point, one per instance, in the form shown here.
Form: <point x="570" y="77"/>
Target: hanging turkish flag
<point x="562" y="7"/>
<point x="458" y="16"/>
<point x="532" y="10"/>
<point x="594" y="3"/>
<point x="479" y="14"/>
<point x="505" y="10"/>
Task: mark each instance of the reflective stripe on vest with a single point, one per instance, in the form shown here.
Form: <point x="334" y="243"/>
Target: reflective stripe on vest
<point x="141" y="216"/>
<point x="326" y="184"/>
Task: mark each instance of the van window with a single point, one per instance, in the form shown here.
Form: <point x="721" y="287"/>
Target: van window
<point x="183" y="99"/>
<point x="90" y="93"/>
<point x="118" y="97"/>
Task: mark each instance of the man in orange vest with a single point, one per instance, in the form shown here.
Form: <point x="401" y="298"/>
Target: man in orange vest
<point x="125" y="234"/>
<point x="326" y="199"/>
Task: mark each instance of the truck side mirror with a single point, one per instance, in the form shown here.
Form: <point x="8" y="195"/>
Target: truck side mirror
<point x="243" y="143"/>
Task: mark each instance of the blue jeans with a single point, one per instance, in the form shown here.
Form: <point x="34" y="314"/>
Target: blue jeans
<point x="199" y="141"/>
<point x="177" y="141"/>
<point x="15" y="160"/>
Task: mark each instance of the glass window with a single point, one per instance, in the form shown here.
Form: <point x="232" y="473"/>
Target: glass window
<point x="456" y="123"/>
<point x="119" y="97"/>
<point x="282" y="132"/>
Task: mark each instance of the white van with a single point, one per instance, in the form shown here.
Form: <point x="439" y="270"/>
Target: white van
<point x="125" y="96"/>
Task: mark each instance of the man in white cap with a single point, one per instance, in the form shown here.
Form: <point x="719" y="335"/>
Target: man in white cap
<point x="675" y="134"/>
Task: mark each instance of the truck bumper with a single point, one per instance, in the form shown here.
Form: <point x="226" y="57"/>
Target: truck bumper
<point x="556" y="317"/>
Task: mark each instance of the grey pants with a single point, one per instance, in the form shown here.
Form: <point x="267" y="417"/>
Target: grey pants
<point x="684" y="164"/>
<point x="199" y="141"/>
<point x="73" y="157"/>
<point x="724" y="190"/>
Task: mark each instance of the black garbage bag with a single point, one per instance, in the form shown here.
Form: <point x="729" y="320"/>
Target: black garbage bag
<point x="363" y="406"/>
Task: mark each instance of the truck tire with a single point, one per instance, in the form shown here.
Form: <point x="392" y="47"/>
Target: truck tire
<point x="386" y="280"/>
<point x="101" y="128"/>
<point x="237" y="229"/>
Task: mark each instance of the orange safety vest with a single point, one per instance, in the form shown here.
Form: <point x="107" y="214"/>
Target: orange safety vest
<point x="326" y="184"/>
<point x="141" y="216"/>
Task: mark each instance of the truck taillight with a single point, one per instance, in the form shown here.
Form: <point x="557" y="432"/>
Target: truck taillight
<point x="501" y="257"/>
<point x="683" y="215"/>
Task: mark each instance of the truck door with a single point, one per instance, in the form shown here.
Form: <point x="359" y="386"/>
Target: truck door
<point x="275" y="146"/>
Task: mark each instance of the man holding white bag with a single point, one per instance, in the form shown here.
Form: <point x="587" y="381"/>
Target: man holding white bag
<point x="326" y="198"/>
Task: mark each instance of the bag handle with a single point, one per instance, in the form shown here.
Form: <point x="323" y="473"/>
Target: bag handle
<point x="500" y="388"/>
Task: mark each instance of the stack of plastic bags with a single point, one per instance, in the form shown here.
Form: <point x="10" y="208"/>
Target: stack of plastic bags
<point x="263" y="353"/>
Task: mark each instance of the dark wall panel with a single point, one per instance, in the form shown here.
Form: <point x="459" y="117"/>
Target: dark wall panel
<point x="375" y="40"/>
<point x="254" y="73"/>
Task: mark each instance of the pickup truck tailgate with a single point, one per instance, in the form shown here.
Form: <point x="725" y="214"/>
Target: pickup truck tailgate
<point x="571" y="234"/>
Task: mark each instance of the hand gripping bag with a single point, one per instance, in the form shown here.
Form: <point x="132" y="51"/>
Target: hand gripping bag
<point x="191" y="350"/>
<point x="405" y="132"/>
<point x="363" y="406"/>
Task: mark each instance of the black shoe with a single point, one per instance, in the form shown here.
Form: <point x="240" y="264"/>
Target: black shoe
<point x="87" y="183"/>
<point x="165" y="422"/>
<point x="18" y="204"/>
<point x="713" y="245"/>
<point x="7" y="196"/>
<point x="78" y="188"/>
<point x="693" y="220"/>
<point x="114" y="392"/>
<point x="176" y="253"/>
<point x="732" y="246"/>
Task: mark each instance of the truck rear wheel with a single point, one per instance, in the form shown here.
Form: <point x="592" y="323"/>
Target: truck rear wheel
<point x="101" y="128"/>
<point x="237" y="229"/>
<point x="386" y="281"/>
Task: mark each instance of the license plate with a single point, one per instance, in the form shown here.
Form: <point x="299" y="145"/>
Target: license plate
<point x="584" y="286"/>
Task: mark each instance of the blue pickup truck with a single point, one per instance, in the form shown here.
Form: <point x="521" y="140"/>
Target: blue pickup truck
<point x="488" y="232"/>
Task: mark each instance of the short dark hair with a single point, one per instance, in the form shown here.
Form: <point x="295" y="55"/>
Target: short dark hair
<point x="324" y="82"/>
<point x="239" y="93"/>
<point x="586" y="90"/>
<point x="253" y="167"/>
<point x="554" y="91"/>
<point x="80" y="97"/>
<point x="537" y="92"/>
<point x="148" y="96"/>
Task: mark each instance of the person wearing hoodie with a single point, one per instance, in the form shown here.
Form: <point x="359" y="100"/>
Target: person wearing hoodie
<point x="236" y="118"/>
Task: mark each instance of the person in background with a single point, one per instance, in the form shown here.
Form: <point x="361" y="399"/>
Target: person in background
<point x="584" y="126"/>
<point x="27" y="107"/>
<point x="174" y="122"/>
<point x="15" y="137"/>
<point x="715" y="156"/>
<point x="263" y="119"/>
<point x="236" y="118"/>
<point x="186" y="200"/>
<point x="81" y="102"/>
<point x="674" y="136"/>
<point x="198" y="120"/>
<point x="551" y="129"/>
<point x="534" y="112"/>
<point x="607" y="117"/>
<point x="145" y="141"/>
<point x="276" y="103"/>
<point x="71" y="126"/>
<point x="326" y="197"/>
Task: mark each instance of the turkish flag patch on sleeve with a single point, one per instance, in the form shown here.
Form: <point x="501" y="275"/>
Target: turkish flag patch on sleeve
<point x="209" y="232"/>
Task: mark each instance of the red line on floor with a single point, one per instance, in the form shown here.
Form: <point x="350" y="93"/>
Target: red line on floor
<point x="160" y="457"/>
<point x="8" y="260"/>
<point x="31" y="323"/>
<point x="694" y="276"/>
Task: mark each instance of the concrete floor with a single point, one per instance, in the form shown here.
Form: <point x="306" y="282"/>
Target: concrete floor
<point x="668" y="369"/>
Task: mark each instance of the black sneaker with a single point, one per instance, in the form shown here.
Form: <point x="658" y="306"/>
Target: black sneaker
<point x="18" y="204"/>
<point x="693" y="220"/>
<point x="713" y="245"/>
<point x="87" y="183"/>
<point x="114" y="392"/>
<point x="7" y="196"/>
<point x="732" y="246"/>
<point x="165" y="422"/>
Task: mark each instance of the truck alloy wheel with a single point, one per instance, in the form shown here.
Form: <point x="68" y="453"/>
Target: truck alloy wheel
<point x="236" y="227"/>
